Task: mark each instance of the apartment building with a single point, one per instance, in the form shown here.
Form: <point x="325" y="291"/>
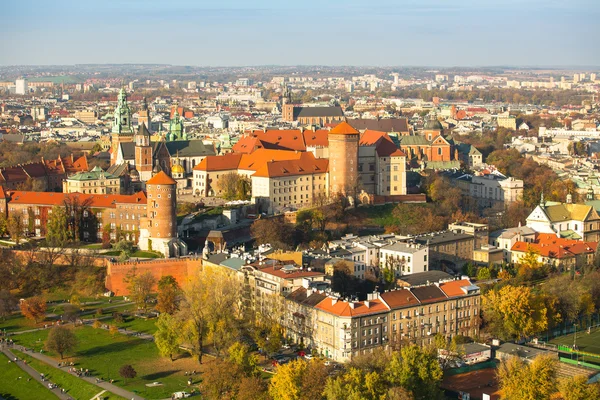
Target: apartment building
<point x="404" y="258"/>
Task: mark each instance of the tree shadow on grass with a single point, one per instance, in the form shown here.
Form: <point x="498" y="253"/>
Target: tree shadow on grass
<point x="111" y="348"/>
<point x="158" y="375"/>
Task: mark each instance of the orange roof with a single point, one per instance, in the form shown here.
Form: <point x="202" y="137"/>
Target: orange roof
<point x="161" y="179"/>
<point x="224" y="162"/>
<point x="288" y="139"/>
<point x="400" y="298"/>
<point x="317" y="138"/>
<point x="307" y="164"/>
<point x="453" y="288"/>
<point x="247" y="144"/>
<point x="344" y="309"/>
<point x="371" y="137"/>
<point x="344" y="128"/>
<point x="96" y="200"/>
<point x="551" y="246"/>
<point x="258" y="158"/>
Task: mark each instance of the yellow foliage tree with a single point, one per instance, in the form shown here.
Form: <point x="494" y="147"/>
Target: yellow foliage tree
<point x="522" y="381"/>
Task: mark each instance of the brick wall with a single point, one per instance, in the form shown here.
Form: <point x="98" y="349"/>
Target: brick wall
<point x="180" y="268"/>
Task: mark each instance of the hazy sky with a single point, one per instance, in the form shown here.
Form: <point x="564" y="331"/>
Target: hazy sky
<point x="285" y="32"/>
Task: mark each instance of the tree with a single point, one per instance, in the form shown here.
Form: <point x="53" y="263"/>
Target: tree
<point x="140" y="289"/>
<point x="220" y="380"/>
<point x="417" y="370"/>
<point x="79" y="215"/>
<point x="520" y="380"/>
<point x="113" y="330"/>
<point x="210" y="308"/>
<point x="240" y="355"/>
<point x="356" y="384"/>
<point x="286" y="384"/>
<point x="252" y="388"/>
<point x="234" y="186"/>
<point x="168" y="335"/>
<point x="34" y="308"/>
<point x="273" y="231"/>
<point x="126" y="249"/>
<point x="484" y="274"/>
<point x="3" y="224"/>
<point x="577" y="388"/>
<point x="70" y="313"/>
<point x="61" y="340"/>
<point x="97" y="324"/>
<point x="8" y="303"/>
<point x="127" y="372"/>
<point x="514" y="312"/>
<point x="16" y="227"/>
<point x="57" y="233"/>
<point x="168" y="292"/>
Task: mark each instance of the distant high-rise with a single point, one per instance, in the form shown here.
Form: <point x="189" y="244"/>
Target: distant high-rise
<point x="21" y="86"/>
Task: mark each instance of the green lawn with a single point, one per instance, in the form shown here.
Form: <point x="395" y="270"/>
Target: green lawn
<point x="104" y="354"/>
<point x="17" y="322"/>
<point x="75" y="387"/>
<point x="13" y="388"/>
<point x="146" y="254"/>
<point x="375" y="215"/>
<point x="589" y="343"/>
<point x="134" y="324"/>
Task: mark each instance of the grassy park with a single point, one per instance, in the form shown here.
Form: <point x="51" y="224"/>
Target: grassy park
<point x="14" y="388"/>
<point x="103" y="354"/>
<point x="75" y="387"/>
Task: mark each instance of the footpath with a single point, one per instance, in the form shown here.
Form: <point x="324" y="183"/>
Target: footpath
<point x="52" y="362"/>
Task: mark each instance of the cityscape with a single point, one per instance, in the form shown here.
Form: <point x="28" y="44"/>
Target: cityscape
<point x="324" y="212"/>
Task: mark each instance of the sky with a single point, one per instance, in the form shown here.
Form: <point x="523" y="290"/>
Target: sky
<point x="303" y="32"/>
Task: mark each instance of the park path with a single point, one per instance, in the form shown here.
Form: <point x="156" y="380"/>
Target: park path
<point x="34" y="374"/>
<point x="69" y="323"/>
<point x="104" y="385"/>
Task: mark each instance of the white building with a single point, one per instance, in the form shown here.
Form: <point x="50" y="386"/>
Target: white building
<point x="404" y="258"/>
<point x="505" y="239"/>
<point x="20" y="86"/>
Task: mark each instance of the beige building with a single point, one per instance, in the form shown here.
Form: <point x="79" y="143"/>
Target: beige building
<point x="95" y="181"/>
<point x="507" y="121"/>
<point x="87" y="116"/>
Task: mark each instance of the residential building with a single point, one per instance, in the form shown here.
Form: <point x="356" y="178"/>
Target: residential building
<point x="567" y="220"/>
<point x="565" y="254"/>
<point x="404" y="258"/>
<point x="96" y="181"/>
<point x="506" y="238"/>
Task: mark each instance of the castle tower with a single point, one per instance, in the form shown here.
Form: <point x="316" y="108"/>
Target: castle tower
<point x="121" y="127"/>
<point x="158" y="231"/>
<point x="287" y="106"/>
<point x="144" y="115"/>
<point x="143" y="153"/>
<point x="343" y="160"/>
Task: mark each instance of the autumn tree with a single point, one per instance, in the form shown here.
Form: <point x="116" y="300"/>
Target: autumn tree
<point x="168" y="292"/>
<point x="57" y="232"/>
<point x="220" y="380"/>
<point x="168" y="335"/>
<point x="210" y="308"/>
<point x="34" y="308"/>
<point x="514" y="312"/>
<point x="8" y="303"/>
<point x="273" y="231"/>
<point x="234" y="186"/>
<point x="578" y="388"/>
<point x="127" y="372"/>
<point x="240" y="355"/>
<point x="356" y="384"/>
<point x="299" y="380"/>
<point x="521" y="380"/>
<point x="61" y="340"/>
<point x="252" y="388"/>
<point x="417" y="370"/>
<point x="3" y="224"/>
<point x="16" y="227"/>
<point x="79" y="214"/>
<point x="140" y="289"/>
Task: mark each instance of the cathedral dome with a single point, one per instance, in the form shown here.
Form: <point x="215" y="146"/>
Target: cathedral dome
<point x="134" y="175"/>
<point x="433" y="124"/>
<point x="177" y="169"/>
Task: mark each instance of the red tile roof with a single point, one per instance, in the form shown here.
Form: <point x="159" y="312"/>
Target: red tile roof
<point x="453" y="288"/>
<point x="226" y="162"/>
<point x="550" y="246"/>
<point x="307" y="164"/>
<point x="97" y="200"/>
<point x="344" y="128"/>
<point x="344" y="309"/>
<point x="399" y="298"/>
<point x="161" y="179"/>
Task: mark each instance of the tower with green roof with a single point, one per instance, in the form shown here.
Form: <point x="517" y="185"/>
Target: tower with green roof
<point x="176" y="131"/>
<point x="122" y="130"/>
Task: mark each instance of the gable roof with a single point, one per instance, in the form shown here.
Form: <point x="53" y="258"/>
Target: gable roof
<point x="345" y="309"/>
<point x="385" y="124"/>
<point x="306" y="164"/>
<point x="400" y="298"/>
<point x="224" y="162"/>
<point x="565" y="211"/>
<point x="189" y="148"/>
<point x="428" y="294"/>
<point x="96" y="200"/>
<point x="307" y="112"/>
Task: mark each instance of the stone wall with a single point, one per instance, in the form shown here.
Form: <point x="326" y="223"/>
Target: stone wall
<point x="180" y="268"/>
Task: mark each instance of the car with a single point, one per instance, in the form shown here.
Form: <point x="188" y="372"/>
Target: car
<point x="286" y="346"/>
<point x="308" y="356"/>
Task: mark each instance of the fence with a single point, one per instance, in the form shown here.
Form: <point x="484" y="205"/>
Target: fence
<point x="470" y="368"/>
<point x="567" y="328"/>
<point x="579" y="363"/>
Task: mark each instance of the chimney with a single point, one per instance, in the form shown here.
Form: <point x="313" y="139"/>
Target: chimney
<point x="367" y="304"/>
<point x="352" y="305"/>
